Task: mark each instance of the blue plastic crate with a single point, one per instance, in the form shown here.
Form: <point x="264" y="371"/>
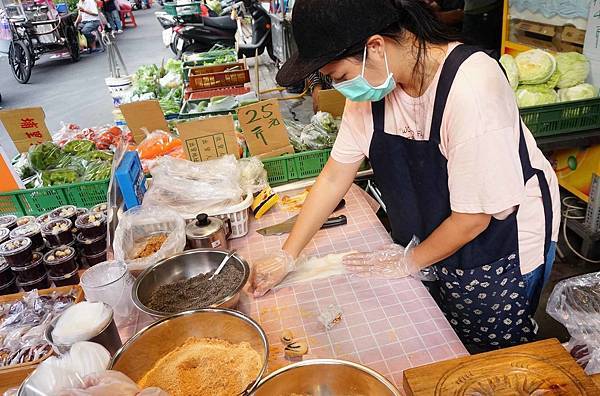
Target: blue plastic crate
<point x="131" y="180"/>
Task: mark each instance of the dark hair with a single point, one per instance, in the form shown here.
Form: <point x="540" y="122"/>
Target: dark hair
<point x="417" y="18"/>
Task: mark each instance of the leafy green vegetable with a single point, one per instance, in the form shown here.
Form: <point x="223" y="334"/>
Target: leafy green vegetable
<point x="79" y="146"/>
<point x="97" y="170"/>
<point x="535" y="95"/>
<point x="535" y="66"/>
<point x="97" y="155"/>
<point x="54" y="177"/>
<point x="173" y="65"/>
<point x="44" y="156"/>
<point x="23" y="167"/>
<point x="573" y="67"/>
<point x="578" y="92"/>
<point x="512" y="71"/>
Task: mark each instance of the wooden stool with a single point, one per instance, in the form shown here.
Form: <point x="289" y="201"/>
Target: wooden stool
<point x="124" y="21"/>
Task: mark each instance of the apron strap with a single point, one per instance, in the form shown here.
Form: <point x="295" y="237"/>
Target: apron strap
<point x="378" y="111"/>
<point x="453" y="62"/>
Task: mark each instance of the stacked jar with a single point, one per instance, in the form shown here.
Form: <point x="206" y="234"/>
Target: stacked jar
<point x="92" y="235"/>
<point x="60" y="233"/>
<point x="25" y="264"/>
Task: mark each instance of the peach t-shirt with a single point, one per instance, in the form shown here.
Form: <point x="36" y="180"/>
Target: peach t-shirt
<point x="479" y="138"/>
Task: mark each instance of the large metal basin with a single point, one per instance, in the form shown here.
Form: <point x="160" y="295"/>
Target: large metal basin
<point x="184" y="266"/>
<point x="144" y="349"/>
<point x="325" y="377"/>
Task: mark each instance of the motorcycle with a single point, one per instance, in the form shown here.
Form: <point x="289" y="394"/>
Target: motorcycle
<point x="200" y="36"/>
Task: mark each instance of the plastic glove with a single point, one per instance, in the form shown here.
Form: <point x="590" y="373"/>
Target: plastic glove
<point x="271" y="270"/>
<point x="111" y="383"/>
<point x="391" y="261"/>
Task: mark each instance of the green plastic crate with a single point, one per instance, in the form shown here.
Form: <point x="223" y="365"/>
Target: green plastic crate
<point x="297" y="166"/>
<point x="182" y="9"/>
<point x="36" y="201"/>
<point x="562" y="118"/>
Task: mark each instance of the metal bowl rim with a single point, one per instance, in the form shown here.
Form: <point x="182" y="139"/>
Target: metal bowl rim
<point x="161" y="314"/>
<point x="329" y="362"/>
<point x="226" y="311"/>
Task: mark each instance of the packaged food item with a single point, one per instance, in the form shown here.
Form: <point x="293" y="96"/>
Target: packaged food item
<point x="91" y="225"/>
<point x="25" y="220"/>
<point x="91" y="246"/>
<point x="81" y="211"/>
<point x="8" y="221"/>
<point x="32" y="231"/>
<point x="31" y="272"/>
<point x="60" y="261"/>
<point x="58" y="232"/>
<point x="101" y="207"/>
<point x="9" y="287"/>
<point x="65" y="280"/>
<point x="6" y="274"/>
<point x="17" y="252"/>
<point x="39" y="284"/>
<point x="4" y="234"/>
<point x="93" y="259"/>
<point x="66" y="212"/>
<point x="81" y="322"/>
<point x="43" y="219"/>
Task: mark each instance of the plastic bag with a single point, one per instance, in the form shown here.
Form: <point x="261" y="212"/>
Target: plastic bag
<point x="157" y="144"/>
<point x="575" y="302"/>
<point x="170" y="80"/>
<point x="190" y="188"/>
<point x="138" y="224"/>
<point x="253" y="175"/>
<point x="295" y="134"/>
<point x="111" y="382"/>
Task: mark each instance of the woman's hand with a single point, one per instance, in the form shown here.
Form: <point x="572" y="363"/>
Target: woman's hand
<point x="270" y="270"/>
<point x="391" y="261"/>
<point x="111" y="383"/>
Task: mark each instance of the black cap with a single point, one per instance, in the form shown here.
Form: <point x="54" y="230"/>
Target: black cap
<point x="325" y="29"/>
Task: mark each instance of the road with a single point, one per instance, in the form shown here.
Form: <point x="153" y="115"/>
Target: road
<point x="76" y="92"/>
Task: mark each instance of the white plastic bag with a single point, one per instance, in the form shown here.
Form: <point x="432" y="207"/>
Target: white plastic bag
<point x="253" y="175"/>
<point x="138" y="224"/>
<point x="190" y="188"/>
<point x="575" y="302"/>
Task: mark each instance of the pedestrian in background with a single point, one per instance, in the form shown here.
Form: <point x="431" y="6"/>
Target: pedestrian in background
<point x="89" y="22"/>
<point x="111" y="12"/>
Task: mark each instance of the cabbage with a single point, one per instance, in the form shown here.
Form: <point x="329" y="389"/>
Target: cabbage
<point x="535" y="66"/>
<point x="578" y="92"/>
<point x="573" y="67"/>
<point x="512" y="72"/>
<point x="535" y="95"/>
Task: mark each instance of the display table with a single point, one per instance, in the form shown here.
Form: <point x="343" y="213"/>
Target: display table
<point x="388" y="325"/>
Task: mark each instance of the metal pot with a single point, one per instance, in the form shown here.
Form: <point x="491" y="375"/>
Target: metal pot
<point x="208" y="232"/>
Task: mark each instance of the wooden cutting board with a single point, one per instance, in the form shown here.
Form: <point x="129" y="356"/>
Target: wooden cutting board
<point x="543" y="366"/>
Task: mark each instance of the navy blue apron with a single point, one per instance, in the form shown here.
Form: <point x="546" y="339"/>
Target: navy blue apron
<point x="480" y="288"/>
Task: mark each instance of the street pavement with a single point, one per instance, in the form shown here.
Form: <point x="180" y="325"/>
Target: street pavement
<point x="76" y="92"/>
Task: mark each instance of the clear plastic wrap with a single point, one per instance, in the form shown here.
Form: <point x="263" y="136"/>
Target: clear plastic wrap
<point x="111" y="383"/>
<point x="190" y="188"/>
<point x="253" y="175"/>
<point x="575" y="302"/>
<point x="138" y="225"/>
<point x="67" y="371"/>
<point x="319" y="134"/>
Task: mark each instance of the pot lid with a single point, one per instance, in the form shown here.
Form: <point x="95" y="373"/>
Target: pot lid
<point x="203" y="227"/>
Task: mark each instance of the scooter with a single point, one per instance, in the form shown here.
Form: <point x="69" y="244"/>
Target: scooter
<point x="200" y="37"/>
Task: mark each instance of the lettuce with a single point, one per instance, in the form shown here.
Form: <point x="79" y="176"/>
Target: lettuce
<point x="535" y="95"/>
<point x="535" y="66"/>
<point x="578" y="92"/>
<point x="512" y="72"/>
<point x="573" y="67"/>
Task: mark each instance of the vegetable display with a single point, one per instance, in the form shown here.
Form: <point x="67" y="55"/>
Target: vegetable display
<point x="217" y="55"/>
<point x="162" y="83"/>
<point x="319" y="134"/>
<point x="544" y="78"/>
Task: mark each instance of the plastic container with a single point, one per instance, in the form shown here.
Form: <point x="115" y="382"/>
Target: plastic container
<point x="91" y="246"/>
<point x="91" y="225"/>
<point x="82" y="211"/>
<point x="30" y="272"/>
<point x="111" y="283"/>
<point x="6" y="275"/>
<point x="8" y="221"/>
<point x="41" y="283"/>
<point x="93" y="259"/>
<point x="43" y="219"/>
<point x="21" y="221"/>
<point x="4" y="234"/>
<point x="61" y="261"/>
<point x="17" y="252"/>
<point x="9" y="288"/>
<point x="238" y="216"/>
<point x="32" y="231"/>
<point x="562" y="118"/>
<point x="100" y="208"/>
<point x="65" y="280"/>
<point x="218" y="76"/>
<point x="297" y="166"/>
<point x="58" y="232"/>
<point x="66" y="212"/>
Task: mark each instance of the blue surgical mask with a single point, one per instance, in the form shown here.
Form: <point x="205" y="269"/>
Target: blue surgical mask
<point x="360" y="90"/>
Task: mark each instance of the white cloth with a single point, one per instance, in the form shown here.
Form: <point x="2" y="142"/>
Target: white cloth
<point x="91" y="6"/>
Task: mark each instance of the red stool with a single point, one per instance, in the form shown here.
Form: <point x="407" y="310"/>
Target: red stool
<point x="127" y="22"/>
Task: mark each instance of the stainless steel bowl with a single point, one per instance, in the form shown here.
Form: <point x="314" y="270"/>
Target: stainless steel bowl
<point x="150" y="344"/>
<point x="325" y="377"/>
<point x="184" y="266"/>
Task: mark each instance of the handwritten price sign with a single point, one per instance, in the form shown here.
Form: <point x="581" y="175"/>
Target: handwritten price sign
<point x="26" y="127"/>
<point x="263" y="127"/>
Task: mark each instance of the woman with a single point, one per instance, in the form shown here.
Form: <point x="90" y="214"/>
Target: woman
<point x="457" y="169"/>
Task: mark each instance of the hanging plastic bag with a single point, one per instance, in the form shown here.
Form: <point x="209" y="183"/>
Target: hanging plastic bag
<point x="144" y="225"/>
<point x="575" y="302"/>
<point x="83" y="44"/>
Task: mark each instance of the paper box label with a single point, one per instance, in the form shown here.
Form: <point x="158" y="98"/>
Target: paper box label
<point x="209" y="139"/>
<point x="263" y="127"/>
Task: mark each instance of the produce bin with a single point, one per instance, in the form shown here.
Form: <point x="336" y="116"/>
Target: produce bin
<point x="36" y="201"/>
<point x="297" y="166"/>
<point x="209" y="93"/>
<point x="187" y="112"/>
<point x="562" y="118"/>
<point x="217" y="76"/>
<point x="189" y="8"/>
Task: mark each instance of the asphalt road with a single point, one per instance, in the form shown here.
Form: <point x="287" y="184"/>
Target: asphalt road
<point x="76" y="92"/>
